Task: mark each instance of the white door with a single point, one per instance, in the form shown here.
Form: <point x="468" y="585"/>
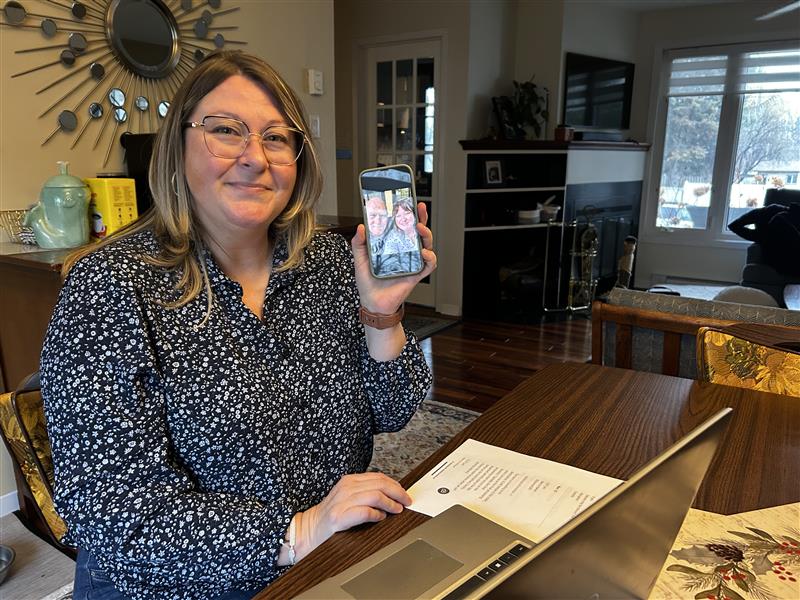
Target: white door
<point x="401" y="123"/>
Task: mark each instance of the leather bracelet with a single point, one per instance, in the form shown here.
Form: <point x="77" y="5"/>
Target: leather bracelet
<point x="380" y="321"/>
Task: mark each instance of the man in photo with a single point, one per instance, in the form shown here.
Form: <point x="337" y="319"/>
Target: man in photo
<point x="377" y="223"/>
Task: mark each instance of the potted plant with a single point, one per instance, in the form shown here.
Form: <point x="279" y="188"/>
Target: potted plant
<point x="530" y="107"/>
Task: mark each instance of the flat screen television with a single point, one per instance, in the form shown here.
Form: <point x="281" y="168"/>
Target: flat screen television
<point x="597" y="92"/>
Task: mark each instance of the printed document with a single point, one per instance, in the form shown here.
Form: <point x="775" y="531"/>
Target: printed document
<point x="529" y="495"/>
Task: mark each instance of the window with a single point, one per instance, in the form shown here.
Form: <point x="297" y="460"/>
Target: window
<point x="730" y="131"/>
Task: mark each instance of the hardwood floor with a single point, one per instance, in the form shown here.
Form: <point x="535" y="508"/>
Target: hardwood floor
<point x="475" y="363"/>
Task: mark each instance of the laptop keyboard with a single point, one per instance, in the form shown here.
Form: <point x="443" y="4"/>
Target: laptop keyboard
<point x="487" y="572"/>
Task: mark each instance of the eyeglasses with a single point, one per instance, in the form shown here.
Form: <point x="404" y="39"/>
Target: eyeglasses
<point x="228" y="138"/>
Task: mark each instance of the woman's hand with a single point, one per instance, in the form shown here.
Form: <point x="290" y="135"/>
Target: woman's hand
<point x="355" y="499"/>
<point x="385" y="296"/>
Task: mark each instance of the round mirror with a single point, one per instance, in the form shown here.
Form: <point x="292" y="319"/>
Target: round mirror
<point x="163" y="108"/>
<point x="120" y="115"/>
<point x="219" y="40"/>
<point x="201" y="29"/>
<point x="116" y="97"/>
<point x="144" y="35"/>
<point x="67" y="58"/>
<point x="49" y="27"/>
<point x="97" y="71"/>
<point x="78" y="10"/>
<point x="142" y="103"/>
<point x="14" y="12"/>
<point x="67" y="120"/>
<point x="77" y="42"/>
<point x="215" y="4"/>
<point x="199" y="55"/>
<point x="207" y="17"/>
<point x="95" y="110"/>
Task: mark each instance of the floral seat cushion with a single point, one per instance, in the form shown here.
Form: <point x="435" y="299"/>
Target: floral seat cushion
<point x="25" y="434"/>
<point x="732" y="360"/>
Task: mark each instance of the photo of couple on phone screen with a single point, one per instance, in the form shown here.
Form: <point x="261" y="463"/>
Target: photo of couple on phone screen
<point x="391" y="219"/>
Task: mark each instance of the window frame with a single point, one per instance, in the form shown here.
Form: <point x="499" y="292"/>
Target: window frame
<point x="716" y="233"/>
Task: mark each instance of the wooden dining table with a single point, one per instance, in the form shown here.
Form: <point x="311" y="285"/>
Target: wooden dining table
<point x="610" y="421"/>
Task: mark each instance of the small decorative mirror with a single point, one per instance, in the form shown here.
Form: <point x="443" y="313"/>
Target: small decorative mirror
<point x="77" y="42"/>
<point x="142" y="103"/>
<point x="201" y="28"/>
<point x="68" y="120"/>
<point x="49" y="27"/>
<point x="14" y="12"/>
<point x="163" y="108"/>
<point x="67" y="58"/>
<point x="116" y="97"/>
<point x="97" y="71"/>
<point x="95" y="110"/>
<point x="120" y="115"/>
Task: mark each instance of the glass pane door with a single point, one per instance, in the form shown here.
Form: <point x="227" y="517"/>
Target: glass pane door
<point x="405" y="110"/>
<point x="402" y="122"/>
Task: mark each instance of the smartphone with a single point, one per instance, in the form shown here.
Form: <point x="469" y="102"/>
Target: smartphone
<point x="390" y="219"/>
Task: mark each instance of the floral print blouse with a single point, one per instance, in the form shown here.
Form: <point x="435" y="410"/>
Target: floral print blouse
<point x="183" y="449"/>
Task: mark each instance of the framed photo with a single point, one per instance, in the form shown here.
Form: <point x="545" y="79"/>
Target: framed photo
<point x="504" y="113"/>
<point x="494" y="172"/>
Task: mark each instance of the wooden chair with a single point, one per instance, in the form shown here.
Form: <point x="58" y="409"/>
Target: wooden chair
<point x="755" y="356"/>
<point x="22" y="425"/>
<point x="626" y="318"/>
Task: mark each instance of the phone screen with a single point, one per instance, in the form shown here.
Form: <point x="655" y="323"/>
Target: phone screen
<point x="390" y="218"/>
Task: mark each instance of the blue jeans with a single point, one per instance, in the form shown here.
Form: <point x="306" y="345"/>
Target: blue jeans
<point x="91" y="583"/>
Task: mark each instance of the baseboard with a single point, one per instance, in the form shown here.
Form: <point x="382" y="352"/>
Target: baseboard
<point x="8" y="503"/>
<point x="453" y="310"/>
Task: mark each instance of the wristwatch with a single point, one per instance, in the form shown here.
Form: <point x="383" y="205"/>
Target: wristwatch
<point x="379" y="321"/>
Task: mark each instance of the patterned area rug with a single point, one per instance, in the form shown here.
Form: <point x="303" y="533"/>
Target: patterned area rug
<point x="424" y="327"/>
<point x="433" y="424"/>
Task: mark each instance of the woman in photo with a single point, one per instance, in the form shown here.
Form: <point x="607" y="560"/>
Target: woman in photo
<point x="401" y="239"/>
<point x="210" y="376"/>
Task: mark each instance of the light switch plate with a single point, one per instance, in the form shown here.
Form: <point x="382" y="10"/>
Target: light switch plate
<point x="313" y="122"/>
<point x="314" y="82"/>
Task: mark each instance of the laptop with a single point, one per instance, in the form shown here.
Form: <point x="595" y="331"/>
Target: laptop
<point x="613" y="549"/>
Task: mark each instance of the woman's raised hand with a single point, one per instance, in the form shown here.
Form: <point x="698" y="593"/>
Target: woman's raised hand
<point x="385" y="296"/>
<point x="355" y="499"/>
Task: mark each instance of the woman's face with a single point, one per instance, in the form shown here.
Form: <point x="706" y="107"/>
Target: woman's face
<point x="234" y="197"/>
<point x="405" y="219"/>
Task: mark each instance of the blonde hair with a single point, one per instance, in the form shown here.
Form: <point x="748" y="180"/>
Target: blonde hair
<point x="172" y="217"/>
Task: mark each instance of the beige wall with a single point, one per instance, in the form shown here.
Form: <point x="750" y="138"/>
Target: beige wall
<point x="491" y="61"/>
<point x="680" y="28"/>
<point x="291" y="35"/>
<point x="539" y="38"/>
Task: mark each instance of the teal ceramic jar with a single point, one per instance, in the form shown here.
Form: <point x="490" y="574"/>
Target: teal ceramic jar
<point x="61" y="218"/>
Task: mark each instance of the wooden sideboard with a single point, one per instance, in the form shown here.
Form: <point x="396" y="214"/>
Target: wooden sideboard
<point x="29" y="284"/>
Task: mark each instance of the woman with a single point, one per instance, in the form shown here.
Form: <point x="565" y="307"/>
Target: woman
<point x="401" y="239"/>
<point x="210" y="393"/>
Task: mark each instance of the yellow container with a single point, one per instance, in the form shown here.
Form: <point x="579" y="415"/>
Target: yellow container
<point x="112" y="206"/>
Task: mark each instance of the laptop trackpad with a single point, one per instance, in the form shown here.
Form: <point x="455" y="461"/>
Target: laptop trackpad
<point x="405" y="574"/>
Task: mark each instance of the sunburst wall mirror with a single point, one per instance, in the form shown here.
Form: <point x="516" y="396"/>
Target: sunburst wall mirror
<point x="124" y="59"/>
